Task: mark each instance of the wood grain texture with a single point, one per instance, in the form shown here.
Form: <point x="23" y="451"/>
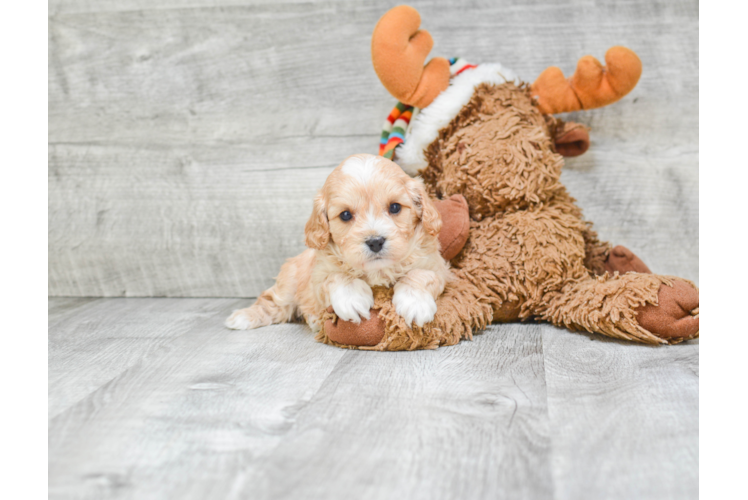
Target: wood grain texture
<point x="625" y="417"/>
<point x="100" y="339"/>
<point x="153" y="398"/>
<point x="453" y="423"/>
<point x="190" y="413"/>
<point x="187" y="137"/>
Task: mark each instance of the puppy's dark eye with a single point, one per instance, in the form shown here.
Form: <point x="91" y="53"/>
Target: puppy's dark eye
<point x="395" y="208"/>
<point x="346" y="216"/>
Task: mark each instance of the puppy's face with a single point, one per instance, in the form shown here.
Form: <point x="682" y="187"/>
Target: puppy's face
<point x="372" y="213"/>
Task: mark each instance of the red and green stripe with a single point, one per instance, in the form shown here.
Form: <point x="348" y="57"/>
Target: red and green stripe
<point x="393" y="132"/>
<point x="396" y="125"/>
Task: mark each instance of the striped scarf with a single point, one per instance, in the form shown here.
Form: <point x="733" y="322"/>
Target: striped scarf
<point x="393" y="131"/>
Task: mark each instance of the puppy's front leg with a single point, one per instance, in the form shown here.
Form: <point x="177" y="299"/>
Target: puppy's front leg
<point x="415" y="296"/>
<point x="350" y="299"/>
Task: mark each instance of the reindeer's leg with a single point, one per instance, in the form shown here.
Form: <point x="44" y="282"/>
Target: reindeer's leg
<point x="644" y="307"/>
<point x="599" y="257"/>
<point x="596" y="252"/>
<point x="624" y="261"/>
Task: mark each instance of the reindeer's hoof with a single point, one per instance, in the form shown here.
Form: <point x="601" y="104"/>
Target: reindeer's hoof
<point x="623" y="260"/>
<point x="367" y="333"/>
<point x="676" y="316"/>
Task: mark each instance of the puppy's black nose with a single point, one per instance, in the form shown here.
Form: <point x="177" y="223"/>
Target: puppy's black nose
<point x="375" y="244"/>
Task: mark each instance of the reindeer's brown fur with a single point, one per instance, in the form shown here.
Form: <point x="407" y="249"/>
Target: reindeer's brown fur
<point x="530" y="253"/>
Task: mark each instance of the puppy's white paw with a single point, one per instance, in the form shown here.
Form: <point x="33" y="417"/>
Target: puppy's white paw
<point x="414" y="305"/>
<point x="352" y="301"/>
<point x="243" y="319"/>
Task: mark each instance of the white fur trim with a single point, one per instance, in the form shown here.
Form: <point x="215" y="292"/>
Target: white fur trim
<point x="424" y="127"/>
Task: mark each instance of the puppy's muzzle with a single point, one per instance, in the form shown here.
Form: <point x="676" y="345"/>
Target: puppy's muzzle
<point x="375" y="244"/>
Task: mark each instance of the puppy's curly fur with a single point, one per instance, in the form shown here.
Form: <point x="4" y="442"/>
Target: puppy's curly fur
<point x="371" y="225"/>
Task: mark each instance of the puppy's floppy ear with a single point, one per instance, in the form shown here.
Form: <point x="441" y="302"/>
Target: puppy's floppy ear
<point x="317" y="229"/>
<point x="427" y="212"/>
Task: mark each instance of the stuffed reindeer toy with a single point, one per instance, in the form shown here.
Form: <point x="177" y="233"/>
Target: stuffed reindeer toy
<point x="489" y="143"/>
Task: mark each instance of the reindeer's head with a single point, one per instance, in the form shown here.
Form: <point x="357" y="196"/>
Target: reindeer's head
<point x="478" y="130"/>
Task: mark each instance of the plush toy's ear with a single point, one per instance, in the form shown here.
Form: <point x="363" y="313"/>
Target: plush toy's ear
<point x="427" y="212"/>
<point x="317" y="229"/>
<point x="398" y="51"/>
<point x="591" y="86"/>
<point x="572" y="139"/>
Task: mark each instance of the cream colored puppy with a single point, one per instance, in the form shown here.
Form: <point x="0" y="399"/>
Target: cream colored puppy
<point x="372" y="225"/>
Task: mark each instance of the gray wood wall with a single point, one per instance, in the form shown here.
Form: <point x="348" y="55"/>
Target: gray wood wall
<point x="187" y="137"/>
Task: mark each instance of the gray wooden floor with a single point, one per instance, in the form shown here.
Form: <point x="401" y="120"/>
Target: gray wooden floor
<point x="153" y="398"/>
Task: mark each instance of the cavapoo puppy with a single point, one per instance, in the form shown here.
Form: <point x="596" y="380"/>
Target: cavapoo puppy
<point x="372" y="225"/>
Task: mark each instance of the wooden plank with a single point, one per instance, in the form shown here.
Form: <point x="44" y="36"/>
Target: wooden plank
<point x="624" y="418"/>
<point x="179" y="407"/>
<point x="271" y="414"/>
<point x="181" y="421"/>
<point x="460" y="422"/>
<point x="57" y="7"/>
<point x="199" y="233"/>
<point x="93" y="345"/>
<point x="60" y="307"/>
<point x="180" y="131"/>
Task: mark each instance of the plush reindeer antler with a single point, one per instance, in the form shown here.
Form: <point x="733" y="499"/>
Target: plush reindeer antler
<point x="592" y="85"/>
<point x="398" y="50"/>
